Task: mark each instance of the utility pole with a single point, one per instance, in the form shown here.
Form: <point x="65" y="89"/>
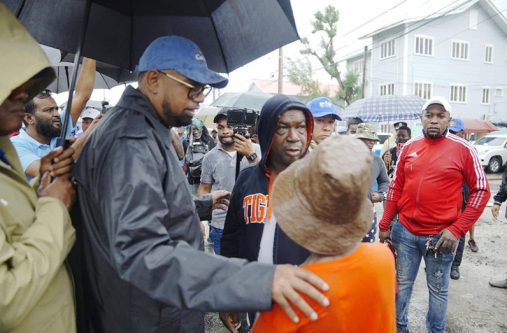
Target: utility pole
<point x="280" y="71"/>
<point x="363" y="84"/>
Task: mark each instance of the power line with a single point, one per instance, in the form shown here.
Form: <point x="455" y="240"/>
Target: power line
<point x="374" y="18"/>
<point x="419" y="26"/>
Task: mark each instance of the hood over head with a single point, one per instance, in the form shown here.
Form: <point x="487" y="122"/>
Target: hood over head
<point x="268" y="121"/>
<point x="23" y="62"/>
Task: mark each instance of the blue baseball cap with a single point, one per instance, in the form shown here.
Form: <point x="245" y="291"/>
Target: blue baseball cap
<point x="182" y="55"/>
<point x="321" y="107"/>
<point x="456" y="125"/>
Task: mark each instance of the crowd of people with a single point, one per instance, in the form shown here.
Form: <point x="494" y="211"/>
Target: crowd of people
<point x="290" y="206"/>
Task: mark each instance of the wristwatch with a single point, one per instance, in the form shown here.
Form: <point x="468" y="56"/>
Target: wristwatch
<point x="382" y="196"/>
<point x="251" y="157"/>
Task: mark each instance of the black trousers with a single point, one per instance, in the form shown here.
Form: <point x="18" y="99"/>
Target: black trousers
<point x="459" y="252"/>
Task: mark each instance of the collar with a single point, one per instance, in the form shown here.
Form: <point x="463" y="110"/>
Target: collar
<point x="134" y="99"/>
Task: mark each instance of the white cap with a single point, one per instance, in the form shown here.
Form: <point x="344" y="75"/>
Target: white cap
<point x="438" y="100"/>
<point x="90" y="113"/>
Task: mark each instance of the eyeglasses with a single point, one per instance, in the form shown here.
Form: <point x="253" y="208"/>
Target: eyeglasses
<point x="193" y="91"/>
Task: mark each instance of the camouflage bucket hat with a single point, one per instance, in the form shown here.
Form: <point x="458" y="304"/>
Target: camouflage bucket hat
<point x="365" y="131"/>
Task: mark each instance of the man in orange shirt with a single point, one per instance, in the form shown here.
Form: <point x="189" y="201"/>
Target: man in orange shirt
<point x="325" y="210"/>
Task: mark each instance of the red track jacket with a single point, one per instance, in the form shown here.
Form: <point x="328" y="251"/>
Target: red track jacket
<point x="427" y="189"/>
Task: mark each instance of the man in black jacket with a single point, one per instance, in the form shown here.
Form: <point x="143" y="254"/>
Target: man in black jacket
<point x="499" y="198"/>
<point x="142" y="265"/>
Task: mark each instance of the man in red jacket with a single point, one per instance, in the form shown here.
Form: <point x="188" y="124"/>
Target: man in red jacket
<point x="426" y="195"/>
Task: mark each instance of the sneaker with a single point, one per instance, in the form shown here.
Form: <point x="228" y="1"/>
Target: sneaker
<point x="499" y="284"/>
<point x="473" y="245"/>
<point x="455" y="272"/>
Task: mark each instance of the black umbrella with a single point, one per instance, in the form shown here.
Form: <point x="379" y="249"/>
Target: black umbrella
<point x="230" y="33"/>
<point x="62" y="81"/>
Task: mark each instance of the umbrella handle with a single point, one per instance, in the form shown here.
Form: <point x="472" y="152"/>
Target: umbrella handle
<point x="77" y="59"/>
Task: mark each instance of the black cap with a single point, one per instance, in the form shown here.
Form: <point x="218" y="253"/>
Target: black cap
<point x="221" y="114"/>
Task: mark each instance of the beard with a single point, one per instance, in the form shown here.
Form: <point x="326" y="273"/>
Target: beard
<point x="46" y="129"/>
<point x="176" y="120"/>
<point x="434" y="136"/>
<point x="226" y="141"/>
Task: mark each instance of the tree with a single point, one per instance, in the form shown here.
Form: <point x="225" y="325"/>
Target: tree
<point x="352" y="90"/>
<point x="326" y="24"/>
<point x="300" y="72"/>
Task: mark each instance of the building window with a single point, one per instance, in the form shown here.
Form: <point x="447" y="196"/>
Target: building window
<point x="499" y="92"/>
<point x="387" y="89"/>
<point x="458" y="94"/>
<point x="473" y="19"/>
<point x="387" y="49"/>
<point x="422" y="89"/>
<point x="486" y="96"/>
<point x="488" y="55"/>
<point x="460" y="50"/>
<point x="423" y="45"/>
<point x="384" y="128"/>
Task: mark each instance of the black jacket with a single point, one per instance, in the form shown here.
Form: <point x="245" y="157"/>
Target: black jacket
<point x="137" y="261"/>
<point x="501" y="196"/>
<point x="248" y="208"/>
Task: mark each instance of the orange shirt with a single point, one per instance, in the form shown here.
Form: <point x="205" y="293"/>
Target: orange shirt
<point x="361" y="294"/>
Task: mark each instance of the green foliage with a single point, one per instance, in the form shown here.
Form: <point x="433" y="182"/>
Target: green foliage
<point x="300" y="72"/>
<point x="352" y="89"/>
<point x="326" y="25"/>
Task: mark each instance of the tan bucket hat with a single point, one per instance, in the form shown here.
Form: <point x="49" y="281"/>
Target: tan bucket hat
<point x="23" y="62"/>
<point x="321" y="202"/>
<point x="366" y="131"/>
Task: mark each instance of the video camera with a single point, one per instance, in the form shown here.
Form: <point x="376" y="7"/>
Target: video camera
<point x="241" y="120"/>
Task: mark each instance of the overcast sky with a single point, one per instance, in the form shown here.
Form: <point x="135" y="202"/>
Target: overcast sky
<point x="352" y="14"/>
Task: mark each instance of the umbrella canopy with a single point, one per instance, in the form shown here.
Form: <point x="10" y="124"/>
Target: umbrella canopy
<point x="478" y="126"/>
<point x="230" y="33"/>
<point x="385" y="108"/>
<point x="106" y="76"/>
<point x="207" y="113"/>
<point x="244" y="100"/>
<point x="62" y="81"/>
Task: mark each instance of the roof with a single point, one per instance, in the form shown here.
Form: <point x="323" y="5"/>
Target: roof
<point x="461" y="7"/>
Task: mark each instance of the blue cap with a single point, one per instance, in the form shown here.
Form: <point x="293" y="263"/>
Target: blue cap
<point x="182" y="55"/>
<point x="321" y="107"/>
<point x="456" y="125"/>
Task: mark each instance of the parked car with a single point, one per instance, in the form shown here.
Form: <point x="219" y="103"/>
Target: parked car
<point x="492" y="151"/>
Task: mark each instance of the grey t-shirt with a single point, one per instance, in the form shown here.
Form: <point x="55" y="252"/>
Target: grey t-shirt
<point x="218" y="169"/>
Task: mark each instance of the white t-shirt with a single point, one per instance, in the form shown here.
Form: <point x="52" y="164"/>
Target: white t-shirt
<point x="267" y="241"/>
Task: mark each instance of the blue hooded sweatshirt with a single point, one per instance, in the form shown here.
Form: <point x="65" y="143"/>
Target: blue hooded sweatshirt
<point x="249" y="205"/>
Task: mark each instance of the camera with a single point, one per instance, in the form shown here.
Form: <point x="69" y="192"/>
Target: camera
<point x="241" y="120"/>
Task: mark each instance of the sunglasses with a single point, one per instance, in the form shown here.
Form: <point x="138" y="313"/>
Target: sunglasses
<point x="193" y="91"/>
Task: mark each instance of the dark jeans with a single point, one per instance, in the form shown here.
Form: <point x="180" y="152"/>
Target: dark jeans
<point x="459" y="252"/>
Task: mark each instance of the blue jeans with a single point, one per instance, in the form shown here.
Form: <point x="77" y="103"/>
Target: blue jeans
<point x="216" y="235"/>
<point x="410" y="249"/>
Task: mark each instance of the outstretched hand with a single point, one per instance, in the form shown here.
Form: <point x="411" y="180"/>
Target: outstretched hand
<point x="220" y="199"/>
